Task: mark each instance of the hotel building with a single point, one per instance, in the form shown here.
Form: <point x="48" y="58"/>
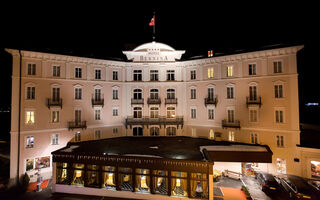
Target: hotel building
<point x="244" y="98"/>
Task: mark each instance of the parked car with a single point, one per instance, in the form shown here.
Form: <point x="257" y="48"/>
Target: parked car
<point x="298" y="187"/>
<point x="267" y="182"/>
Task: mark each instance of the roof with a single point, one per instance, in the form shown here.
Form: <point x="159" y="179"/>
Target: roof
<point x="179" y="147"/>
<point x="153" y="45"/>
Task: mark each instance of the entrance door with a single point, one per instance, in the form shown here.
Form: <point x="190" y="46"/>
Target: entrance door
<point x="137" y="131"/>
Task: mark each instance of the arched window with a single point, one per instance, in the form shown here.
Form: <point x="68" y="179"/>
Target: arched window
<point x="154" y="131"/>
<point x="171" y="131"/>
<point x="154" y="112"/>
<point x="171" y="94"/>
<point x="171" y="112"/>
<point x="137" y="112"/>
<point x="154" y="94"/>
<point x="137" y="94"/>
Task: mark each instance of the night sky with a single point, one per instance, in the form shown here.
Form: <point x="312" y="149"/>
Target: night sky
<point x="103" y="31"/>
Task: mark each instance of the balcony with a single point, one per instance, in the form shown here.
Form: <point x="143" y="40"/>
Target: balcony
<point x="252" y="101"/>
<point x="97" y="102"/>
<point x="76" y="124"/>
<point x="154" y="101"/>
<point x="137" y="101"/>
<point x="211" y="101"/>
<point x="54" y="103"/>
<point x="171" y="101"/>
<point x="228" y="124"/>
<point x="146" y="121"/>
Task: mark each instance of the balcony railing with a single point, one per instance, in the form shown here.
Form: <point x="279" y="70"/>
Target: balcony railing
<point x="171" y="101"/>
<point x="97" y="102"/>
<point x="54" y="103"/>
<point x="154" y="101"/>
<point x="252" y="101"/>
<point x="230" y="124"/>
<point x="76" y="124"/>
<point x="137" y="101"/>
<point x="211" y="101"/>
<point x="146" y="121"/>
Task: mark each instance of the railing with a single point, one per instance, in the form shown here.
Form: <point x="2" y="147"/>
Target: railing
<point x="137" y="101"/>
<point x="230" y="124"/>
<point x="97" y="102"/>
<point x="252" y="101"/>
<point x="161" y="120"/>
<point x="211" y="101"/>
<point x="76" y="124"/>
<point x="154" y="101"/>
<point x="232" y="174"/>
<point x="171" y="101"/>
<point x="54" y="103"/>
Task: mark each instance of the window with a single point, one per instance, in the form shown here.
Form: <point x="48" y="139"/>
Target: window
<point x="125" y="179"/>
<point x="231" y="135"/>
<point x="31" y="69"/>
<point x="229" y="71"/>
<point x="279" y="116"/>
<point x="231" y="116"/>
<point x="115" y="94"/>
<point x="210" y="93"/>
<point x="154" y="112"/>
<point x="154" y="94"/>
<point x="160" y="182"/>
<point x="154" y="131"/>
<point x="55" y="139"/>
<point x="109" y="177"/>
<point x="171" y="94"/>
<point x="193" y="92"/>
<point x="278" y="91"/>
<point x="97" y="114"/>
<point x="230" y="92"/>
<point x="193" y="132"/>
<point x="142" y="180"/>
<point x="280" y="141"/>
<point x="253" y="93"/>
<point x="154" y="75"/>
<point x="252" y="69"/>
<point x="170" y="75"/>
<point x="199" y="186"/>
<point x="77" y="136"/>
<point x="137" y="112"/>
<point x="277" y="67"/>
<point x="115" y="75"/>
<point x="97" y="94"/>
<point x="171" y="112"/>
<point x="77" y="116"/>
<point x="56" y="71"/>
<point x="115" y="111"/>
<point x="31" y="93"/>
<point x="62" y="173"/>
<point x="253" y="115"/>
<point x="210" y="113"/>
<point x="193" y="113"/>
<point x="210" y="73"/>
<point x="137" y="75"/>
<point x="137" y="94"/>
<point x="30" y="117"/>
<point x="254" y="138"/>
<point x="281" y="166"/>
<point x="171" y="131"/>
<point x="55" y="115"/>
<point x="78" y="174"/>
<point x="78" y="72"/>
<point x="93" y="176"/>
<point x="114" y="130"/>
<point x="97" y="74"/>
<point x="55" y="94"/>
<point x="179" y="184"/>
<point x="97" y="134"/>
<point x="211" y="134"/>
<point x="29" y="142"/>
<point x="78" y="93"/>
<point x="193" y="75"/>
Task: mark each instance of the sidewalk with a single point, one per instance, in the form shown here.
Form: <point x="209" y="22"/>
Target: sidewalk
<point x="254" y="188"/>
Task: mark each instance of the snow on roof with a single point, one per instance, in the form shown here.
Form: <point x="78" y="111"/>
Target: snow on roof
<point x="154" y="45"/>
<point x="241" y="148"/>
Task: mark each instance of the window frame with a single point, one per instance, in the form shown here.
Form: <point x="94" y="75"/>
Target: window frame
<point x="78" y="72"/>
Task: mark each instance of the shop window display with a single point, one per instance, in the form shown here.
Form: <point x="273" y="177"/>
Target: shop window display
<point x="109" y="177"/>
<point x="199" y="185"/>
<point x="78" y="175"/>
<point x="179" y="184"/>
<point x="143" y="180"/>
<point x="125" y="179"/>
<point x="160" y="182"/>
<point x="93" y="176"/>
<point x="315" y="169"/>
<point x="62" y="173"/>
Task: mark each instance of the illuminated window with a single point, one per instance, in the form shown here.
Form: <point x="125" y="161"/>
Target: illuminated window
<point x="55" y="115"/>
<point x="199" y="185"/>
<point x="143" y="180"/>
<point x="109" y="177"/>
<point x="281" y="166"/>
<point x="29" y="142"/>
<point x="125" y="179"/>
<point x="315" y="169"/>
<point x="62" y="173"/>
<point x="193" y="132"/>
<point x="253" y="115"/>
<point x="210" y="73"/>
<point x="229" y="71"/>
<point x="30" y="117"/>
<point x="171" y="112"/>
<point x="154" y="112"/>
<point x="77" y="136"/>
<point x="231" y="135"/>
<point x="179" y="184"/>
<point x="78" y="175"/>
<point x="211" y="134"/>
<point x="160" y="182"/>
<point x="93" y="176"/>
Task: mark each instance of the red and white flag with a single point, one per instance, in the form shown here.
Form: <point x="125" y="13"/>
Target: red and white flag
<point x="152" y="22"/>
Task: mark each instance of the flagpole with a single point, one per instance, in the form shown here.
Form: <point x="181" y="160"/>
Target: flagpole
<point x="154" y="27"/>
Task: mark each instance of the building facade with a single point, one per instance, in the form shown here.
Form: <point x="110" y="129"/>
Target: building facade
<point x="249" y="97"/>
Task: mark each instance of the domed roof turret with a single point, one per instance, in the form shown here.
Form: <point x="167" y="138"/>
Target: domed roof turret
<point x="151" y="46"/>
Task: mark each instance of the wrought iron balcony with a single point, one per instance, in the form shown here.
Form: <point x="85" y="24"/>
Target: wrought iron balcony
<point x="171" y="101"/>
<point x="211" y="101"/>
<point x="77" y="124"/>
<point x="253" y="101"/>
<point x="230" y="124"/>
<point x="97" y="102"/>
<point x="54" y="103"/>
<point x="137" y="101"/>
<point x="161" y="120"/>
<point x="154" y="101"/>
